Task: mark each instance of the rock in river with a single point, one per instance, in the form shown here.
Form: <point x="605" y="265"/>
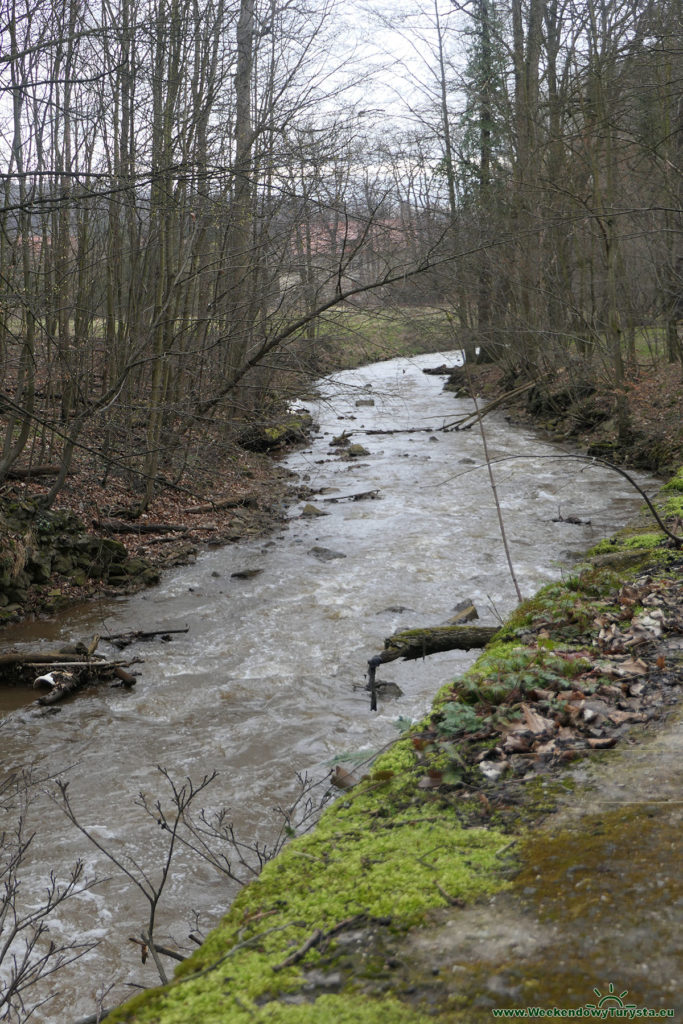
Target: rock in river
<point x="325" y="554"/>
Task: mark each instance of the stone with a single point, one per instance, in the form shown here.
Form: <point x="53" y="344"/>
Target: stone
<point x="325" y="554"/>
<point x="310" y="512"/>
<point x="39" y="566"/>
<point x="62" y="564"/>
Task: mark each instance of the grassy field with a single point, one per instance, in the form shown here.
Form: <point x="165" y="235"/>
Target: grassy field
<point x="350" y="337"/>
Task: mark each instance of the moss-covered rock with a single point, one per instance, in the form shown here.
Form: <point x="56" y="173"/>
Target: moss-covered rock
<point x="39" y="547"/>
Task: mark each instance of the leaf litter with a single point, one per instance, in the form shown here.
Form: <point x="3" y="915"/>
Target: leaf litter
<point x="625" y="671"/>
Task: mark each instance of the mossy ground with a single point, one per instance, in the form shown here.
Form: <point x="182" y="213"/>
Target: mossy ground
<point x="383" y="854"/>
<point x="391" y="855"/>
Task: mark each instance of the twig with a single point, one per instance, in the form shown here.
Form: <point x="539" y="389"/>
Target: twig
<point x="313" y="940"/>
<point x="234" y="949"/>
<point x="164" y="950"/>
<point x="155" y="956"/>
<point x="452" y="901"/>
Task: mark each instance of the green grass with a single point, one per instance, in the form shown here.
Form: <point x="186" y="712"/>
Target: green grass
<point x="352" y="337"/>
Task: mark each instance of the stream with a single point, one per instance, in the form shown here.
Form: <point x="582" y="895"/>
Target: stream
<point x="268" y="682"/>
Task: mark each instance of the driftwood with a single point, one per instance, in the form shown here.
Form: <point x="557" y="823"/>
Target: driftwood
<point x="122" y="640"/>
<point x="97" y="663"/>
<point x="119" y="526"/>
<point x="64" y="685"/>
<point x="441" y="371"/>
<point x="42" y="658"/>
<point x="359" y="496"/>
<point x="467" y="422"/>
<point x="65" y="670"/>
<point x="420" y="643"/>
<point x="405" y="430"/>
<point x="65" y="682"/>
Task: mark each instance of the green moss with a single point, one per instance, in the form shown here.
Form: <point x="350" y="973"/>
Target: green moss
<point x="630" y="542"/>
<point x="345" y="1009"/>
<point x="675" y="484"/>
<point x="378" y="853"/>
<point x="674" y="505"/>
<point x="349" y="1008"/>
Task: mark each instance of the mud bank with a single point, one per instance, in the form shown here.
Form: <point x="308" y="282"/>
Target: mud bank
<point x="582" y="412"/>
<point x="440" y="890"/>
<point x="51" y="559"/>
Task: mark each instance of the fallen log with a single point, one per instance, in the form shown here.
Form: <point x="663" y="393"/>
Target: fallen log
<point x="405" y="430"/>
<point x="467" y="422"/>
<point x="209" y="506"/>
<point x="420" y="643"/>
<point x="119" y="526"/>
<point x="27" y="472"/>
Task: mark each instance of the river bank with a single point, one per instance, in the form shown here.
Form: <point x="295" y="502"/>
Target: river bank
<point x="264" y="677"/>
<point x="583" y="413"/>
<point x="517" y="847"/>
<point x="95" y="542"/>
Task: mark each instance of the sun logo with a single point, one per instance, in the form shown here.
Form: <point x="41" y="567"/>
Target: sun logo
<point x="610" y="999"/>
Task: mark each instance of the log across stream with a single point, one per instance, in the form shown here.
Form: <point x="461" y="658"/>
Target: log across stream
<point x="269" y="679"/>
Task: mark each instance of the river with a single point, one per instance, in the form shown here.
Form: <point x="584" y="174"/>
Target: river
<point x="268" y="682"/>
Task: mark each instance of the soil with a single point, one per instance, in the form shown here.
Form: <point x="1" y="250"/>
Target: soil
<point x="243" y="495"/>
<point x="655" y="399"/>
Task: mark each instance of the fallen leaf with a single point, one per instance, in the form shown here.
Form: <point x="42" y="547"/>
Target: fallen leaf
<point x="619" y="717"/>
<point x="535" y="722"/>
<point x="518" y="743"/>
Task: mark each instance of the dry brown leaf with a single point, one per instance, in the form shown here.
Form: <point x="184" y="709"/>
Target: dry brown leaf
<point x="535" y="722"/>
<point x="602" y="742"/>
<point x="518" y="743"/>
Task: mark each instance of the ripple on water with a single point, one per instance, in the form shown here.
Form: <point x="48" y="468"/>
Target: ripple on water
<point x="265" y="683"/>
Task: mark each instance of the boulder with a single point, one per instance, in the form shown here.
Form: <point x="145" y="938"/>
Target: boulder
<point x="325" y="554"/>
<point x="356" y="451"/>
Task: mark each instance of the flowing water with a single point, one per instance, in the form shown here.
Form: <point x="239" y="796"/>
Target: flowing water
<point x="268" y="682"/>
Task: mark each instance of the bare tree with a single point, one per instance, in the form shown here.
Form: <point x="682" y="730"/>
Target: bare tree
<point x="28" y="954"/>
